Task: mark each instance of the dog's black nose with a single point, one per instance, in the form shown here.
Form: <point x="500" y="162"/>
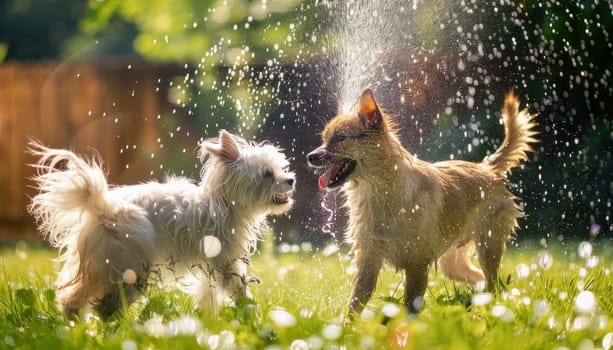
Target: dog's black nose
<point x="317" y="157"/>
<point x="290" y="181"/>
<point x="312" y="158"/>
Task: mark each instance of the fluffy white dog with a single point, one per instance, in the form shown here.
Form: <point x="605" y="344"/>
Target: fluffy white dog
<point x="112" y="239"/>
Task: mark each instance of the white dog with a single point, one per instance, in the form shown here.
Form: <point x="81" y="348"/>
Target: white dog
<point x="113" y="238"/>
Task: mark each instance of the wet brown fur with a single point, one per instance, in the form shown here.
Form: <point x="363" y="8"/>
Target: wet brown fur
<point x="409" y="213"/>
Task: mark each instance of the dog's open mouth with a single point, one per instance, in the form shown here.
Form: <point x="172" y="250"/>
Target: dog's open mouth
<point x="337" y="173"/>
<point x="281" y="198"/>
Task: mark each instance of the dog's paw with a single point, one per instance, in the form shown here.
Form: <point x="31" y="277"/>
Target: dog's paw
<point x="251" y="279"/>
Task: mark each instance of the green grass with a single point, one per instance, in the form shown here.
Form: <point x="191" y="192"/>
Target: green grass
<point x="301" y="303"/>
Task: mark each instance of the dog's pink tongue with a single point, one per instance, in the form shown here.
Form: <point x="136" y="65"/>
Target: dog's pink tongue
<point x="324" y="180"/>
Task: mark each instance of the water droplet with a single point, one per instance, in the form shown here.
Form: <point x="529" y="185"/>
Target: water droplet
<point x="128" y="345"/>
<point x="210" y="246"/>
<point x="331" y="332"/>
<point x="282" y="318"/>
<point x="607" y="341"/>
<point x="481" y="299"/>
<point x="367" y="342"/>
<point x="580" y="323"/>
<point x="299" y="344"/>
<point x="306" y="313"/>
<point x="522" y="270"/>
<point x="129" y="276"/>
<point x="184" y="325"/>
<point x="592" y="261"/>
<point x="594" y="229"/>
<point x="562" y="295"/>
<point x="8" y="340"/>
<point x="502" y="312"/>
<point x="585" y="249"/>
<point x="545" y="260"/>
<point x="418" y="303"/>
<point x="585" y="302"/>
<point x="367" y="314"/>
<point x="224" y="340"/>
<point x="390" y="310"/>
<point x="315" y="342"/>
<point x="480" y="285"/>
<point x="540" y="307"/>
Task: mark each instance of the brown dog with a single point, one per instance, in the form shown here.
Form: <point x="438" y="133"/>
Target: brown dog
<point x="408" y="213"/>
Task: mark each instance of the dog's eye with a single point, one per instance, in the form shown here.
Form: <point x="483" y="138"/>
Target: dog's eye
<point x="337" y="138"/>
<point x="267" y="173"/>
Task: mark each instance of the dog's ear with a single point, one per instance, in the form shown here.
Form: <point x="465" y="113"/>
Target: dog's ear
<point x="226" y="148"/>
<point x="369" y="112"/>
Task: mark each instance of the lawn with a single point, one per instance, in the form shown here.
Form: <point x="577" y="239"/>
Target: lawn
<point x="555" y="297"/>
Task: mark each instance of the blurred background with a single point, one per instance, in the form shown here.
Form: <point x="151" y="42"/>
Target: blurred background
<point x="143" y="81"/>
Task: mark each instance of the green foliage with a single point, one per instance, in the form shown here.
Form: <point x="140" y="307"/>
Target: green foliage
<point x="185" y="31"/>
<point x="301" y="302"/>
<point x="34" y="30"/>
<point x="234" y="48"/>
<point x="3" y="50"/>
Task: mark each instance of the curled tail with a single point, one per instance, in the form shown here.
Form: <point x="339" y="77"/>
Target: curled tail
<point x="99" y="238"/>
<point x="519" y="134"/>
<point x="70" y="188"/>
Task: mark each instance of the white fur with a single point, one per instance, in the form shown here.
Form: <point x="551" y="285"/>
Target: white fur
<point x="157" y="228"/>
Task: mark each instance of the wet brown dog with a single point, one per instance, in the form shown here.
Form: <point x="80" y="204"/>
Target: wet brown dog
<point x="410" y="213"/>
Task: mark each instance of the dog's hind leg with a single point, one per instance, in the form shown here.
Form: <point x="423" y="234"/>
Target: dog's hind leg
<point x="490" y="255"/>
<point x="114" y="299"/>
<point x="73" y="291"/>
<point x="455" y="264"/>
<point x="493" y="233"/>
<point x="205" y="293"/>
<point x="71" y="299"/>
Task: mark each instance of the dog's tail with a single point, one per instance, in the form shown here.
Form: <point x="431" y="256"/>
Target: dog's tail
<point x="456" y="264"/>
<point x="519" y="134"/>
<point x="99" y="237"/>
<point x="70" y="188"/>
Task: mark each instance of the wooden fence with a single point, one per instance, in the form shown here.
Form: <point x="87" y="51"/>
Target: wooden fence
<point x="113" y="107"/>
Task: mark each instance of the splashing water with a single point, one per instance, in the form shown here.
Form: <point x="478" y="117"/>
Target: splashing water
<point x="367" y="32"/>
<point x="330" y="212"/>
<point x="370" y="44"/>
<point x="442" y="67"/>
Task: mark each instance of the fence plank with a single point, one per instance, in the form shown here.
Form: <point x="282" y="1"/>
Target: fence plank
<point x="78" y="105"/>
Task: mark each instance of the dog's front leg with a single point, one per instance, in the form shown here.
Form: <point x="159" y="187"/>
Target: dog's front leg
<point x="364" y="281"/>
<point x="416" y="281"/>
<point x="236" y="280"/>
